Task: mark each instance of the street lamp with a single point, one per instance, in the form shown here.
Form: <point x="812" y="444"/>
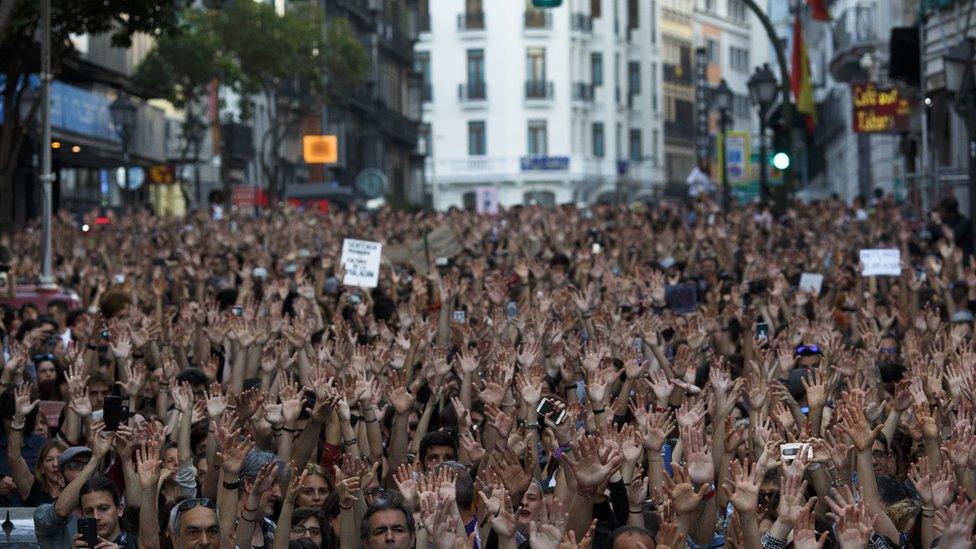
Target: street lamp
<point x="722" y="102"/>
<point x="762" y="90"/>
<point x="961" y="79"/>
<point x="123" y="112"/>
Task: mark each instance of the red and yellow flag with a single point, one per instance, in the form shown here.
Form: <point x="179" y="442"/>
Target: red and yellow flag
<point x="800" y="77"/>
<point x="818" y="10"/>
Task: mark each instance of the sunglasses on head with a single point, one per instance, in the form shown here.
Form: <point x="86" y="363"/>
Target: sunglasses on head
<point x="41" y="357"/>
<point x="808" y="350"/>
<point x="188" y="504"/>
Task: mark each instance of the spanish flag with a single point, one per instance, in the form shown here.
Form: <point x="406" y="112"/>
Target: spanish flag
<point x="800" y="77"/>
<point x="818" y="10"/>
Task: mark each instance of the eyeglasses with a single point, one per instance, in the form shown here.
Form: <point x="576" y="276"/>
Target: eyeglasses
<point x="76" y="465"/>
<point x="888" y="350"/>
<point x="188" y="504"/>
<point x="807" y="350"/>
<point x="299" y="530"/>
<point x="375" y="492"/>
<point x="41" y="357"/>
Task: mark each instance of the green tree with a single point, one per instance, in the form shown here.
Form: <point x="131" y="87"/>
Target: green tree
<point x="180" y="68"/>
<point x="20" y="57"/>
<point x="285" y="60"/>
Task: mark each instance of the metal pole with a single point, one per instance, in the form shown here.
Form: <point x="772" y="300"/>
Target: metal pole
<point x="47" y="177"/>
<point x="723" y="127"/>
<point x="922" y="182"/>
<point x="763" y="160"/>
<point x="972" y="166"/>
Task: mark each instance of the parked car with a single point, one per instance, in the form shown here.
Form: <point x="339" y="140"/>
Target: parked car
<point x="39" y="297"/>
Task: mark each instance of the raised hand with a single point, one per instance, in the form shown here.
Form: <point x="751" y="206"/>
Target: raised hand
<point x="548" y="530"/>
<point x="701" y="469"/>
<point x="22" y="401"/>
<point x="742" y="486"/>
<point x="234" y="452"/>
<point x="148" y="465"/>
<point x="681" y="491"/>
<point x="216" y="401"/>
<point x="135" y="379"/>
<point x="405" y="479"/>
<point x="804" y="533"/>
<point x="590" y="467"/>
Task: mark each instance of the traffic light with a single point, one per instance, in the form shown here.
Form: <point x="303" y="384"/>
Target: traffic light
<point x="547" y="3"/>
<point x="780" y="161"/>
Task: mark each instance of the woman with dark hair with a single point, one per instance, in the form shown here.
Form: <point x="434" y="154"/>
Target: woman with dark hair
<point x="307" y="523"/>
<point x="44" y="485"/>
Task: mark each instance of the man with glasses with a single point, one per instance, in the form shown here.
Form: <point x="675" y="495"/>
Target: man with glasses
<point x="193" y="524"/>
<point x="55" y="524"/>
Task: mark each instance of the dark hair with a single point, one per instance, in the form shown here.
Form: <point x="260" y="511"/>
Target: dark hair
<point x="302" y="513"/>
<point x="890" y="490"/>
<point x="384" y="504"/>
<point x="57" y="304"/>
<point x="8" y="405"/>
<point x="302" y="543"/>
<point x="628" y="530"/>
<point x="113" y="302"/>
<point x="101" y="483"/>
<point x="438" y="438"/>
<point x="226" y="298"/>
<point x="194" y="376"/>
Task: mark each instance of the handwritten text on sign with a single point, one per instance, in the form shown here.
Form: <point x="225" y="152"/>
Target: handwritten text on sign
<point x="881" y="262"/>
<point x="362" y="261"/>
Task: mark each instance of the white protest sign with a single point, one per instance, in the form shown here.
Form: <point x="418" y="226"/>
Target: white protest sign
<point x="811" y="282"/>
<point x="486" y="198"/>
<point x="362" y="261"/>
<point x="885" y="262"/>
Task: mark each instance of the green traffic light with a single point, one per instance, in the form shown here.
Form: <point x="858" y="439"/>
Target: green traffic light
<point x="781" y="161"/>
<point x="547" y="3"/>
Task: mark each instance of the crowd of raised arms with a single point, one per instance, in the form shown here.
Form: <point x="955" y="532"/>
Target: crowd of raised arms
<point x="627" y="377"/>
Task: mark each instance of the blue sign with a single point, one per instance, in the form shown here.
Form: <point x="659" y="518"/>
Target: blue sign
<point x="76" y="109"/>
<point x="545" y="163"/>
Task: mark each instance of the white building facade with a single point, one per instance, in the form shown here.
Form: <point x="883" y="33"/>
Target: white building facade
<point x="541" y="106"/>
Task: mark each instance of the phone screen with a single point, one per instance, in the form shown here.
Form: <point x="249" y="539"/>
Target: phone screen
<point x="116" y="412"/>
<point x="459" y="316"/>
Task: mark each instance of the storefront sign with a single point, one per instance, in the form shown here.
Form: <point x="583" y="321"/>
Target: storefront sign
<point x="735" y="146"/>
<point x="879" y="110"/>
<point x="545" y="163"/>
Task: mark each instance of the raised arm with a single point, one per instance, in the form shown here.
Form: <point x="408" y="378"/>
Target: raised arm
<point x="15" y="440"/>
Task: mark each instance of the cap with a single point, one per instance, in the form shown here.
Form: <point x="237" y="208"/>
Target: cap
<point x="70" y="454"/>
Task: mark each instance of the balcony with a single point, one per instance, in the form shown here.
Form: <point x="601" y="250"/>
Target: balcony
<point x="426" y="93"/>
<point x="535" y="20"/>
<point x="582" y="22"/>
<point x="583" y="91"/>
<point x="472" y="91"/>
<point x="678" y="74"/>
<point x="679" y="131"/>
<point x="471" y="21"/>
<point x="539" y="90"/>
<point x="855" y="34"/>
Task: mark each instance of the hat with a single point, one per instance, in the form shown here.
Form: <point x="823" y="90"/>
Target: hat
<point x="70" y="454"/>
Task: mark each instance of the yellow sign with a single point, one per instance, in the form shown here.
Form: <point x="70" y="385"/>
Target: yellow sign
<point x="320" y="149"/>
<point x="161" y="174"/>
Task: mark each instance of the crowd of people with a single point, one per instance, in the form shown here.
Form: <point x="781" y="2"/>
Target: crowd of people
<point x="625" y="377"/>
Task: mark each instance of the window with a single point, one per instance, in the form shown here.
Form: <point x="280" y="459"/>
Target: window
<point x="712" y="51"/>
<point x="598" y="145"/>
<point x="596" y="69"/>
<point x="422" y="66"/>
<point x="633" y="14"/>
<point x="595" y="8"/>
<point x="619" y="142"/>
<point x="474" y="16"/>
<point x="476" y="138"/>
<point x="538" y="140"/>
<point x="616" y="75"/>
<point x="739" y="59"/>
<point x="654" y="86"/>
<point x="616" y="17"/>
<point x="737" y="10"/>
<point x="469" y="201"/>
<point x="741" y="106"/>
<point x="636" y="146"/>
<point x="476" y="66"/>
<point x="709" y="5"/>
<point x="535" y="64"/>
<point x="633" y="77"/>
<point x="424" y="146"/>
<point x="541" y="198"/>
<point x="655" y="143"/>
<point x="652" y="26"/>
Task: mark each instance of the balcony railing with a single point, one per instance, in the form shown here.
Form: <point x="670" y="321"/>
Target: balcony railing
<point x="537" y="20"/>
<point x="582" y="91"/>
<point x="856" y="26"/>
<point x="471" y="20"/>
<point x="582" y="22"/>
<point x="539" y="89"/>
<point x="472" y="91"/>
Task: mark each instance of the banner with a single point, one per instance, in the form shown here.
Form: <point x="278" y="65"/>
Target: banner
<point x="886" y="262"/>
<point x="361" y="259"/>
<point x="486" y="199"/>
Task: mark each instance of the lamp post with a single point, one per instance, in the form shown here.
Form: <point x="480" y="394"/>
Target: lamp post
<point x="47" y="175"/>
<point x="123" y="112"/>
<point x="762" y="91"/>
<point x="721" y="102"/>
<point x="961" y="79"/>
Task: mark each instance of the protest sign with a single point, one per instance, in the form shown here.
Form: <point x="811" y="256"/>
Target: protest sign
<point x="361" y="259"/>
<point x="811" y="282"/>
<point x="486" y="199"/>
<point x="881" y="262"/>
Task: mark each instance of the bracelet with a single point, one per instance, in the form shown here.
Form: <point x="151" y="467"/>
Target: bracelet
<point x="531" y="425"/>
<point x="138" y="356"/>
<point x="246" y="510"/>
<point x="16" y="427"/>
<point x="374" y="420"/>
<point x="814" y="466"/>
<point x="928" y="508"/>
<point x="637" y="512"/>
<point x="505" y="404"/>
<point x="288" y="430"/>
<point x="932" y="515"/>
<point x="276" y="429"/>
<point x="572" y="386"/>
<point x="350" y="442"/>
<point x="232" y="485"/>
<point x="245" y="519"/>
<point x="585" y="493"/>
<point x="709" y="494"/>
<point x="600" y="411"/>
<point x="341" y="506"/>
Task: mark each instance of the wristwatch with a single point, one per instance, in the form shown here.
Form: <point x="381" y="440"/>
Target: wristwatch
<point x="232" y="485"/>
